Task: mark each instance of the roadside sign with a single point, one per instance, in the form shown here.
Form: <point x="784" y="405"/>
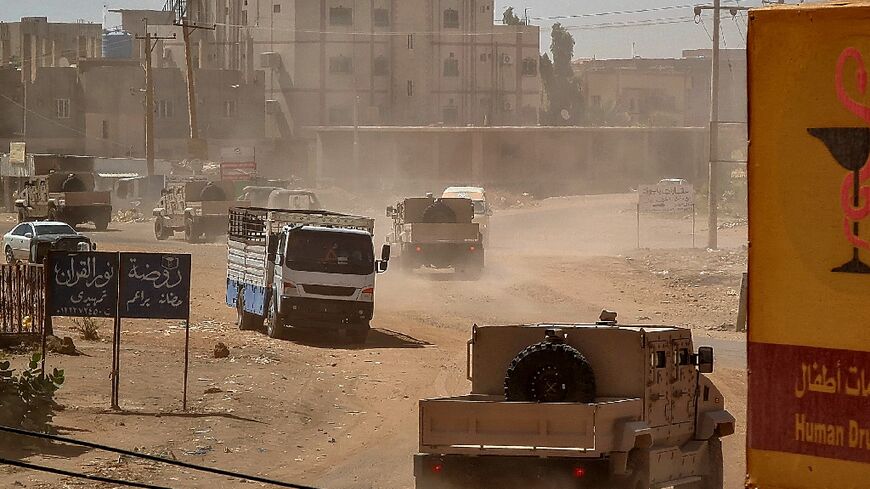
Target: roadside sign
<point x="666" y="197"/>
<point x="17" y="153"/>
<point x="83" y="284"/>
<point x="155" y="286"/>
<point x="809" y="225"/>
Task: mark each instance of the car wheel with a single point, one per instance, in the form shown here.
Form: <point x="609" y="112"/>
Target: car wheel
<point x="274" y="322"/>
<point x="10" y="257"/>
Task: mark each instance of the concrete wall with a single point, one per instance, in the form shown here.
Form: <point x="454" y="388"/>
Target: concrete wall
<point x="544" y="161"/>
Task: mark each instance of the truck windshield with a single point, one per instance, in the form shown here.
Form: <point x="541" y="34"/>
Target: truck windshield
<point x="330" y="252"/>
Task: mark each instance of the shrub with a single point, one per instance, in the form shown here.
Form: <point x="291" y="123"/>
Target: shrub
<point x="87" y="328"/>
<point x="27" y="398"/>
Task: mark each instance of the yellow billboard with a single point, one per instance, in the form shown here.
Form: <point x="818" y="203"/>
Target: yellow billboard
<point x="809" y="255"/>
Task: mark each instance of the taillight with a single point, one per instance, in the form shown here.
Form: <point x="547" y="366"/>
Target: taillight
<point x="290" y="289"/>
<point x="368" y="290"/>
<point x="579" y="472"/>
<point x="472" y="248"/>
<point x="418" y="249"/>
<point x="437" y="468"/>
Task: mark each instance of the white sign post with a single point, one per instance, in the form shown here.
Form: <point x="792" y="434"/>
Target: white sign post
<point x="666" y="197"/>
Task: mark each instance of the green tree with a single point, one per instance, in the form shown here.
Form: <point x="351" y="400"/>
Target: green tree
<point x="564" y="104"/>
<point x="510" y="18"/>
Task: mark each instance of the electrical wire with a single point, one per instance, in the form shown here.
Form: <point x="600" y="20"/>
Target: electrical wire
<point x="95" y="478"/>
<point x="615" y="12"/>
<point x="630" y="23"/>
<point x="153" y="458"/>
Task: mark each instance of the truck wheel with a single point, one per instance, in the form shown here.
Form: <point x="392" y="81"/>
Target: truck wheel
<point x="160" y="230"/>
<point x="21" y="216"/>
<point x="550" y="372"/>
<point x="52" y="214"/>
<point x="274" y="322"/>
<point x="102" y="222"/>
<point x="638" y="478"/>
<point x="191" y="234"/>
<point x="246" y="320"/>
<point x="358" y="334"/>
<point x="714" y="478"/>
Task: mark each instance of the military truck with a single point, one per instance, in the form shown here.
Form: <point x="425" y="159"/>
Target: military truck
<point x="68" y="197"/>
<point x="577" y="406"/>
<point x="437" y="233"/>
<point x="198" y="208"/>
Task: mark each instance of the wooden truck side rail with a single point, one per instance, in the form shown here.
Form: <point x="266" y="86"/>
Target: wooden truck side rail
<point x="489" y="425"/>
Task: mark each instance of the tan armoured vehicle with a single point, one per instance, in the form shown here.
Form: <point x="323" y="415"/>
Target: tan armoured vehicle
<point x="577" y="406"/>
<point x="437" y="233"/>
<point x="68" y="197"/>
<point x="200" y="209"/>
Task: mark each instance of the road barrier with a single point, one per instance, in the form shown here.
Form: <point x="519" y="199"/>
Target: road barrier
<point x="22" y="298"/>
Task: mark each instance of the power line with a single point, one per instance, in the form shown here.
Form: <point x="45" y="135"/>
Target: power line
<point x="631" y="23"/>
<point x="614" y="12"/>
<point x="77" y="475"/>
<point x="153" y="458"/>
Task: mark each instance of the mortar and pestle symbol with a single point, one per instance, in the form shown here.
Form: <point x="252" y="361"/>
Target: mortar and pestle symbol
<point x="850" y="146"/>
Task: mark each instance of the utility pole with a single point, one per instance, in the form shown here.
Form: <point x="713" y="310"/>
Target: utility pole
<point x="197" y="147"/>
<point x="712" y="175"/>
<point x="149" y="98"/>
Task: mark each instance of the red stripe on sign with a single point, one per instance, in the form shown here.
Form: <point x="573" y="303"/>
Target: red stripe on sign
<point x="809" y="401"/>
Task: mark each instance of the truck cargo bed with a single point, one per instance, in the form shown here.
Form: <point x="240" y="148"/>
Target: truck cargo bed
<point x="489" y="425"/>
<point x="441" y="233"/>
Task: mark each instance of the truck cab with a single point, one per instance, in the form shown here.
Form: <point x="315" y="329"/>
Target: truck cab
<point x="578" y="406"/>
<point x="303" y="270"/>
<point x="50" y="197"/>
<point x="482" y="209"/>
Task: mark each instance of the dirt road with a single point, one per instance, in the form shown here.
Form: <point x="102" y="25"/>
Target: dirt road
<point x="311" y="412"/>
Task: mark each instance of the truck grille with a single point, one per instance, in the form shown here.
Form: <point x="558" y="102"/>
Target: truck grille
<point x="329" y="290"/>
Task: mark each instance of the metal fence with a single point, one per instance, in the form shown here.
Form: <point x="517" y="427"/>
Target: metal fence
<point x="22" y="299"/>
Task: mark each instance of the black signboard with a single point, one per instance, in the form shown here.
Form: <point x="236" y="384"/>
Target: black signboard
<point x="83" y="284"/>
<point x="154" y="286"/>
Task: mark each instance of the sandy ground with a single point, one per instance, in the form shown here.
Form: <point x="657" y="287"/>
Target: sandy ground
<point x="333" y="416"/>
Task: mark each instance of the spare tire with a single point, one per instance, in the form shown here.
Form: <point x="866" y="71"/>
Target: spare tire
<point x="550" y="372"/>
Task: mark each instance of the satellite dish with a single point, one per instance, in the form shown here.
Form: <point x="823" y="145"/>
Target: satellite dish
<point x="63" y="62"/>
<point x="565" y="115"/>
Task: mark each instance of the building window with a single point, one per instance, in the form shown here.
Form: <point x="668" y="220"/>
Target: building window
<point x="381" y="66"/>
<point x="410" y="41"/>
<point x="410" y="88"/>
<point x="104" y="130"/>
<point x="596" y="100"/>
<point x="451" y="19"/>
<point x="340" y="65"/>
<point x="381" y="17"/>
<point x="62" y="108"/>
<point x="165" y="109"/>
<point x="530" y="67"/>
<point x="276" y="9"/>
<point x="340" y="16"/>
<point x="451" y="66"/>
<point x="450" y="115"/>
<point x="339" y="116"/>
<point x="230" y="108"/>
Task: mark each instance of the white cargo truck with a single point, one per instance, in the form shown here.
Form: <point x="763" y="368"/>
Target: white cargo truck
<point x="303" y="270"/>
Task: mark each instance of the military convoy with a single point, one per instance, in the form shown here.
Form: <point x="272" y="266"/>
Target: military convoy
<point x="66" y="197"/>
<point x="198" y="208"/>
<point x="437" y="233"/>
<point x="578" y="405"/>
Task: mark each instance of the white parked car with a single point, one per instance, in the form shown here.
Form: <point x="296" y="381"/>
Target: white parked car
<point x="31" y="241"/>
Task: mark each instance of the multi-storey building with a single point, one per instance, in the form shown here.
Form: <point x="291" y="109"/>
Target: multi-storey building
<point x="36" y="43"/>
<point x="377" y="62"/>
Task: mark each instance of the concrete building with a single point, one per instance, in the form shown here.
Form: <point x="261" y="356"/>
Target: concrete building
<point x="35" y="43"/>
<point x="663" y="92"/>
<point x="381" y="62"/>
<point x="97" y="108"/>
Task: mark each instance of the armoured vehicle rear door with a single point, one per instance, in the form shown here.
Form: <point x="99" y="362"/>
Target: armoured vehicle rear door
<point x="659" y="373"/>
<point x="684" y="381"/>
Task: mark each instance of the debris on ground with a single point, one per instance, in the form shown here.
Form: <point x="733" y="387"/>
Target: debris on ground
<point x="221" y="350"/>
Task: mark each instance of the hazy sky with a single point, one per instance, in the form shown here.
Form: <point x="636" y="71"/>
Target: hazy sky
<point x="661" y="40"/>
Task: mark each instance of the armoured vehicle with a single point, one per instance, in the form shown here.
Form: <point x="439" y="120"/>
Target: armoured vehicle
<point x="578" y="406"/>
<point x="303" y="270"/>
<point x="437" y="233"/>
<point x="199" y="209"/>
<point x="69" y="197"/>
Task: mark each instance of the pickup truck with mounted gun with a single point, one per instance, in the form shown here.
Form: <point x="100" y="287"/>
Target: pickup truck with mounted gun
<point x="578" y="406"/>
<point x="302" y="269"/>
<point x="65" y="197"/>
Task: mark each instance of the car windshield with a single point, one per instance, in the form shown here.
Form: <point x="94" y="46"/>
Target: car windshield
<point x="330" y="252"/>
<point x="46" y="229"/>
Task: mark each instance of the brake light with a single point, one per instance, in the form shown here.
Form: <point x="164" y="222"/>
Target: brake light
<point x="579" y="472"/>
<point x="471" y="248"/>
<point x="368" y="290"/>
<point x="437" y="468"/>
<point x="418" y="249"/>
